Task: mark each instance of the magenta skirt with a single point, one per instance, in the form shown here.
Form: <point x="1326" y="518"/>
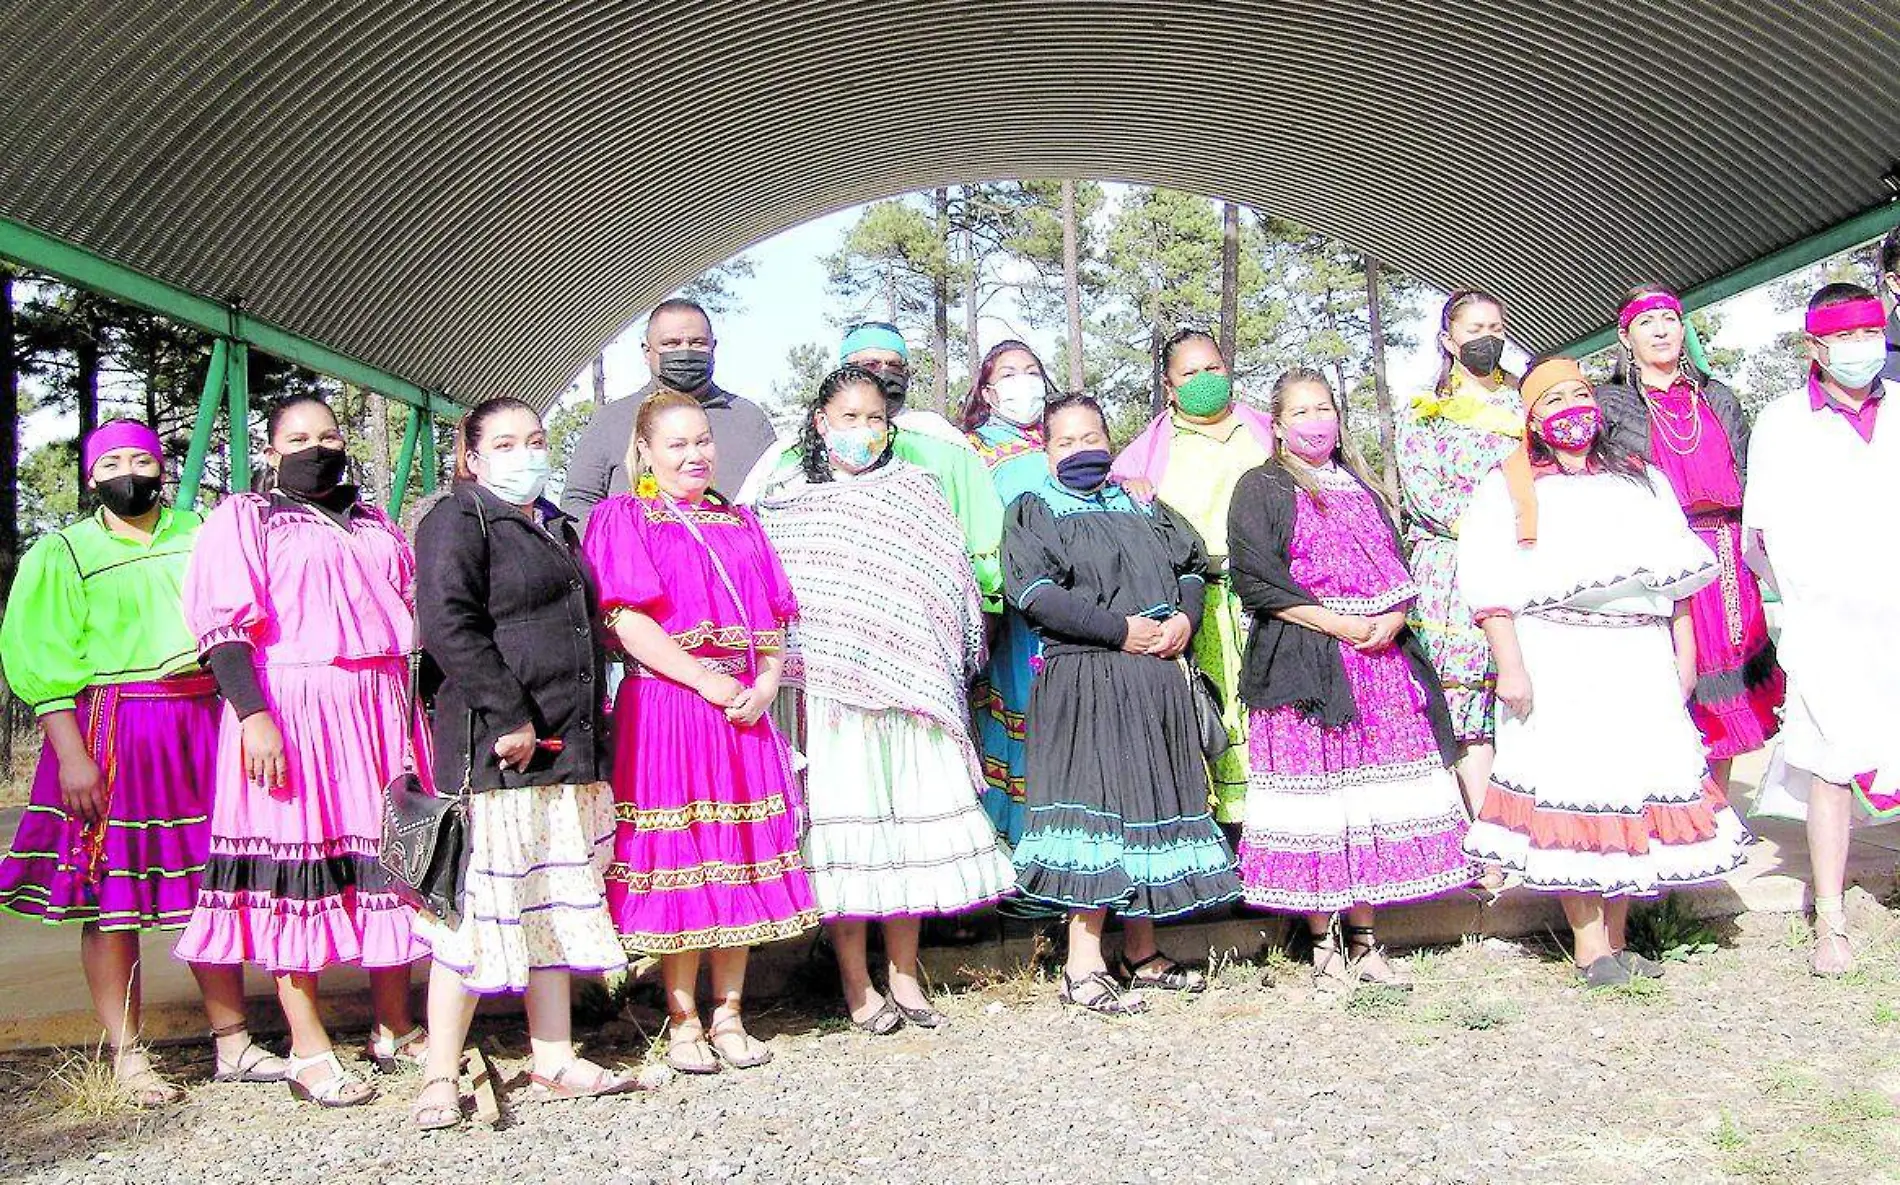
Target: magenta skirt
<point x="1739" y="685"/>
<point x="705" y="826"/>
<point x="292" y="883"/>
<point x="154" y="743"/>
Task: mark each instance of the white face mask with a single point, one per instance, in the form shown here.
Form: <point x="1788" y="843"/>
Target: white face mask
<point x="517" y="476"/>
<point x="1856" y="363"/>
<point x="1019" y="398"/>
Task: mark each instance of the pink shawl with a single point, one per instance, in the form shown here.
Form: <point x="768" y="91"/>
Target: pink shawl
<point x="1146" y="456"/>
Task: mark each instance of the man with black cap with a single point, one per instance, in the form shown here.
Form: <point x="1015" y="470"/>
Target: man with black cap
<point x="679" y="353"/>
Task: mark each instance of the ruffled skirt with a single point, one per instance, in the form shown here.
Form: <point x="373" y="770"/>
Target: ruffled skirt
<point x="1362" y="814"/>
<point x="156" y="745"/>
<point x="535" y="898"/>
<point x="293" y="884"/>
<point x="1118" y="803"/>
<point x="1604" y="787"/>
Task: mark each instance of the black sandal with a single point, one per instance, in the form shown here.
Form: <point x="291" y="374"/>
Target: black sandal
<point x="1360" y="946"/>
<point x="1175" y="977"/>
<point x="1109" y="998"/>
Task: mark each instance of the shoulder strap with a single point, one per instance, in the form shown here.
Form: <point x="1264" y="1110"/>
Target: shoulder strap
<point x="725" y="578"/>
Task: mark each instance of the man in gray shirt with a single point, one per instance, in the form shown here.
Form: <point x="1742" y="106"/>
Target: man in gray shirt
<point x="679" y="354"/>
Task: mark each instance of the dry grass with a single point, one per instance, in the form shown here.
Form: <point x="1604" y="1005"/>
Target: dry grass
<point x="16" y="778"/>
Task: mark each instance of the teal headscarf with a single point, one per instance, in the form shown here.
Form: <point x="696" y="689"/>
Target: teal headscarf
<point x="875" y="335"/>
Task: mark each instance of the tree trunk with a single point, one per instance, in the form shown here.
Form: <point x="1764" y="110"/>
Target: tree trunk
<point x="890" y="294"/>
<point x="86" y="376"/>
<point x="971" y="281"/>
<point x="1229" y="280"/>
<point x="9" y="435"/>
<point x="600" y="380"/>
<point x="940" y="311"/>
<point x="380" y="460"/>
<point x="1158" y="395"/>
<point x="1072" y="285"/>
<point x="1388" y="422"/>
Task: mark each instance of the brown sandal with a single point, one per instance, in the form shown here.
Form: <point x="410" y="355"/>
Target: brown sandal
<point x="746" y="1061"/>
<point x="556" y="1087"/>
<point x="674" y="1045"/>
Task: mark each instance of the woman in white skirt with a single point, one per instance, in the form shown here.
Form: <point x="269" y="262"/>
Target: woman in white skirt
<point x="889" y="633"/>
<point x="1579" y="563"/>
<point x="507" y="609"/>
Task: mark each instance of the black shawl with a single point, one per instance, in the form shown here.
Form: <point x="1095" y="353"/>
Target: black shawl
<point x="1287" y="664"/>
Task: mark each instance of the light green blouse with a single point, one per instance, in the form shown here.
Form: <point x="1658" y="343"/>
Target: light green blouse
<point x="90" y="608"/>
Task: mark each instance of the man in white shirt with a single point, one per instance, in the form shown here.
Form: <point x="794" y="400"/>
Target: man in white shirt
<point x="1821" y="520"/>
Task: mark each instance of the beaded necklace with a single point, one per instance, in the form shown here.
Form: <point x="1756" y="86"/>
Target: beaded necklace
<point x="1681" y="437"/>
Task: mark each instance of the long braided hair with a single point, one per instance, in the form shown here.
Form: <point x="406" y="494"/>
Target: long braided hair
<point x="813" y="457"/>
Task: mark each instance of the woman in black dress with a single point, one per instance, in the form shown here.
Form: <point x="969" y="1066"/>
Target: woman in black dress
<point x="1118" y="815"/>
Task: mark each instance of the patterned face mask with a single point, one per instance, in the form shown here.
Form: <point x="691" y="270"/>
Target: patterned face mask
<point x="1572" y="430"/>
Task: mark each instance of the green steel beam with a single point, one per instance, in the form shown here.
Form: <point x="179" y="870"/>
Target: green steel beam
<point x="42" y="252"/>
<point x="405" y="461"/>
<point x="431" y="466"/>
<point x="1842" y="236"/>
<point x="237" y="387"/>
<point x="208" y="402"/>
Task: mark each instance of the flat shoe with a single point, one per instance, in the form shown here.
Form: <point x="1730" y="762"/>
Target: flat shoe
<point x="1638" y="966"/>
<point x="710" y="1066"/>
<point x="1604" y="973"/>
<point x="924" y="1018"/>
<point x="886" y="1020"/>
<point x="556" y="1087"/>
<point x="247" y="1071"/>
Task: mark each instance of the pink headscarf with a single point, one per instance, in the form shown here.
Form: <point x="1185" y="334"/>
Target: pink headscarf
<point x="117" y="434"/>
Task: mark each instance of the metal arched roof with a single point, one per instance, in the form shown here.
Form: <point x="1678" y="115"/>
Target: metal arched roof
<point x="475" y="196"/>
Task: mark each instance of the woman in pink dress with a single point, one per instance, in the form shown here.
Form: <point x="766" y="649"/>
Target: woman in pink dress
<point x="1660" y="406"/>
<point x="706" y="833"/>
<point x="302" y="604"/>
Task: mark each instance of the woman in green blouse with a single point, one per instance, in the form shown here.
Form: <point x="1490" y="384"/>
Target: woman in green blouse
<point x="115" y="836"/>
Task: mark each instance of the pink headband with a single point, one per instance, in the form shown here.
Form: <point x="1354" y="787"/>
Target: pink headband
<point x="1853" y="314"/>
<point x="1648" y="303"/>
<point x="116" y="435"/>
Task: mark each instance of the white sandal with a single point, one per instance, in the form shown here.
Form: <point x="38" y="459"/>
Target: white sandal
<point x="389" y="1055"/>
<point x="330" y="1091"/>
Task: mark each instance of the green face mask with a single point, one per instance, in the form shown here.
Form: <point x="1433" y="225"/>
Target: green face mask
<point x="1206" y="394"/>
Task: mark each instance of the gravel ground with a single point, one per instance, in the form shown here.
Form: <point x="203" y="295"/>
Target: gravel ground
<point x="1738" y="1067"/>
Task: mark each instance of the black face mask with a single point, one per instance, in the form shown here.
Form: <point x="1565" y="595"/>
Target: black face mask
<point x="686" y="370"/>
<point x="129" y="494"/>
<point x="896" y="388"/>
<point x="1084" y="472"/>
<point x="1481" y="355"/>
<point x="314" y="473"/>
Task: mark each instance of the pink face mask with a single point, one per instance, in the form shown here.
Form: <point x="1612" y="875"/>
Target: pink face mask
<point x="1312" y="441"/>
<point x="1572" y="430"/>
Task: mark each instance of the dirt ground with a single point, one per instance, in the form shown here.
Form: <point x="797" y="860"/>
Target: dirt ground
<point x="1738" y="1067"/>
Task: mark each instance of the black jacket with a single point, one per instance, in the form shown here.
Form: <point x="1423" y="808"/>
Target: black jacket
<point x="1892" y="369"/>
<point x="506" y="611"/>
<point x="1287" y="664"/>
<point x="1627" y="419"/>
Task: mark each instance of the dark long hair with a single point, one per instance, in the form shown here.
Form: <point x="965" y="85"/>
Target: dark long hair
<point x="976" y="412"/>
<point x="1625" y="372"/>
<point x="1457" y="303"/>
<point x="474" y="428"/>
<point x="812" y="454"/>
<point x="1604" y="455"/>
<point x="1181" y="337"/>
<point x="1075" y="399"/>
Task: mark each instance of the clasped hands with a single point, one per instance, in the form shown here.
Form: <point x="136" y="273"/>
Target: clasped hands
<point x="1367" y="634"/>
<point x="1159" y="639"/>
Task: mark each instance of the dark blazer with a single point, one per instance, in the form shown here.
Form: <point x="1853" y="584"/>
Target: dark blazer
<point x="1627" y="419"/>
<point x="506" y="610"/>
<point x="1287" y="664"/>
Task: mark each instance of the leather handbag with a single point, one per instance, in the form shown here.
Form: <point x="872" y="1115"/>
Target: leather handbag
<point x="1209" y="716"/>
<point x="427" y="837"/>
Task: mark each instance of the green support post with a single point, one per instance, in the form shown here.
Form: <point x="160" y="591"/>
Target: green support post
<point x="237" y="385"/>
<point x="208" y="402"/>
<point x="405" y="459"/>
<point x="431" y="465"/>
